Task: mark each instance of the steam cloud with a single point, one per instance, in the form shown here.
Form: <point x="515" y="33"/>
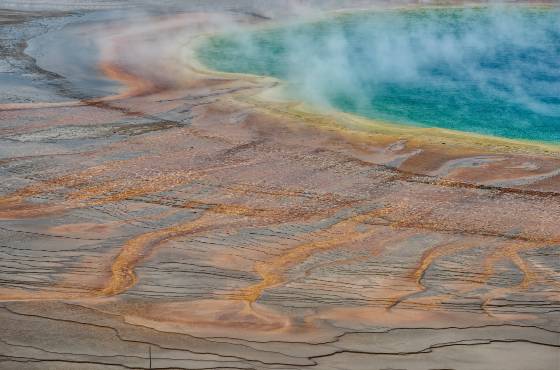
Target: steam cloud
<point x="510" y="56"/>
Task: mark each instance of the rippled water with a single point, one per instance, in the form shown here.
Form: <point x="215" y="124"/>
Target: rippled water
<point x="494" y="71"/>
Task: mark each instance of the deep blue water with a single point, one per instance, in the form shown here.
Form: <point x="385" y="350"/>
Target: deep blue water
<point x="493" y="71"/>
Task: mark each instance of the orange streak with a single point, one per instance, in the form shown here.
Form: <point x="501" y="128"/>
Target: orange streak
<point x="272" y="272"/>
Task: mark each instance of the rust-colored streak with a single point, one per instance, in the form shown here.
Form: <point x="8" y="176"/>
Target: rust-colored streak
<point x="426" y="261"/>
<point x="136" y="85"/>
<point x="509" y="252"/>
<point x="140" y="247"/>
<point x="505" y="252"/>
<point x="122" y="269"/>
<point x="95" y="186"/>
<point x="272" y="272"/>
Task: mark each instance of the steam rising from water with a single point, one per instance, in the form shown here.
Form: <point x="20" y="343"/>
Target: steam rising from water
<point x="488" y="70"/>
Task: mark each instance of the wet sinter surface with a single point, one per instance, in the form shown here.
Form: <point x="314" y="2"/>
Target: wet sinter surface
<point x="168" y="220"/>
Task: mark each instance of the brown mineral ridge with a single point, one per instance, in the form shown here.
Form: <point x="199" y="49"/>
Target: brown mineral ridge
<point x="185" y="222"/>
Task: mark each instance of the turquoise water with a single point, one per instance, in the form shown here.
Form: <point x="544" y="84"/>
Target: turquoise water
<point x="490" y="71"/>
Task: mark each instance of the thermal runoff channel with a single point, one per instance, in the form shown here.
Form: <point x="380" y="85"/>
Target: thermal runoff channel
<point x="493" y="71"/>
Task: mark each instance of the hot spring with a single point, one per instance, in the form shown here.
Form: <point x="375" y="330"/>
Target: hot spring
<point x="492" y="71"/>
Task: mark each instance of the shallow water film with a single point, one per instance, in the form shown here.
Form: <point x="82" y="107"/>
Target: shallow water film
<point x="492" y="71"/>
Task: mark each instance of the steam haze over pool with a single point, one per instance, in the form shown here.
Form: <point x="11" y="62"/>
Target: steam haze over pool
<point x="492" y="71"/>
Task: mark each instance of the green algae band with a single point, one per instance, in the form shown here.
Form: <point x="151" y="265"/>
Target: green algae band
<point x="493" y="71"/>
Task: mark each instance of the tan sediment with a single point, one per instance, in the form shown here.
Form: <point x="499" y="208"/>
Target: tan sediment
<point x="376" y="250"/>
